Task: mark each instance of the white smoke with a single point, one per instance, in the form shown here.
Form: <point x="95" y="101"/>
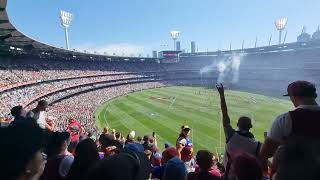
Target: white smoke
<point x="227" y="68"/>
<point x="221" y="67"/>
<point x="208" y="68"/>
<point x="235" y="66"/>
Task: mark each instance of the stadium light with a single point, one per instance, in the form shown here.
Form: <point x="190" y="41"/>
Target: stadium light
<point x="174" y="35"/>
<point x="281" y="25"/>
<point x="66" y="19"/>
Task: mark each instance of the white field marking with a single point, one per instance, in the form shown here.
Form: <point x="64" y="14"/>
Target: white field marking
<point x="173" y="101"/>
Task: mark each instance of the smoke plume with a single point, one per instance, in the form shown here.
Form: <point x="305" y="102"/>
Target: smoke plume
<point x="228" y="68"/>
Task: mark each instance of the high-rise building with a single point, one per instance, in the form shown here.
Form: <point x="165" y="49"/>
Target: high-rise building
<point x="154" y="54"/>
<point x="178" y="46"/>
<point x="193" y="47"/>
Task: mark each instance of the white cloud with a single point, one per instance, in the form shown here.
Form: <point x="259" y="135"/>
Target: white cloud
<point x="120" y="49"/>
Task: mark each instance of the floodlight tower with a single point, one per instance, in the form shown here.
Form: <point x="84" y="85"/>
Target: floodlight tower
<point x="174" y="35"/>
<point x="66" y="19"/>
<point x="281" y="25"/>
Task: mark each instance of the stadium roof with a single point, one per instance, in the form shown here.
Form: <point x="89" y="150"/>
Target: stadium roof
<point x="12" y="41"/>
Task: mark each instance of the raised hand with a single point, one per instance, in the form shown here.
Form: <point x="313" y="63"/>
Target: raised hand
<point x="220" y="88"/>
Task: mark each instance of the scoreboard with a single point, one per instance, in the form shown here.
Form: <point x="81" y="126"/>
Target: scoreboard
<point x="169" y="56"/>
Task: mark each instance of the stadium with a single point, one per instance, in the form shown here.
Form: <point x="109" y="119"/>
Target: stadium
<point x="153" y="95"/>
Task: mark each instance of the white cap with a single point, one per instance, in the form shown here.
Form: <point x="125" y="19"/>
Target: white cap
<point x="132" y="134"/>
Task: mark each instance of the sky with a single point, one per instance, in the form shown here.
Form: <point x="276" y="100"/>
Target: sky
<point x="132" y="27"/>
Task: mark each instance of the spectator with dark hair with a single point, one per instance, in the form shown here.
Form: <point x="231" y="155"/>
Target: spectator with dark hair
<point x="72" y="147"/>
<point x="59" y="159"/>
<point x="128" y="165"/>
<point x="118" y="167"/>
<point x="40" y="115"/>
<point x="146" y="143"/>
<point x="299" y="125"/>
<point x="21" y="152"/>
<point x="207" y="169"/>
<point x="86" y="156"/>
<point x="150" y="143"/>
<point x="246" y="167"/>
<point x="19" y="114"/>
<point x="241" y="141"/>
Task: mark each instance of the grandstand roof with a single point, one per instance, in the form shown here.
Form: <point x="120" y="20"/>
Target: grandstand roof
<point x="13" y="42"/>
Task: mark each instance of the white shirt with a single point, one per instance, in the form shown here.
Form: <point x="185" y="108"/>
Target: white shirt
<point x="282" y="126"/>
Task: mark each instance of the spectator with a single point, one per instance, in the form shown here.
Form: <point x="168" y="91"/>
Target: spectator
<point x="150" y="143"/>
<point x="187" y="158"/>
<point x="72" y="147"/>
<point x="59" y="159"/>
<point x="92" y="136"/>
<point x="39" y="114"/>
<point x="156" y="159"/>
<point x="86" y="156"/>
<point x="207" y="168"/>
<point x="127" y="165"/>
<point x="19" y="114"/>
<point x="148" y="153"/>
<point x="236" y="141"/>
<point x="298" y="161"/>
<point x="75" y="129"/>
<point x="130" y="138"/>
<point x="167" y="154"/>
<point x="184" y="134"/>
<point x="246" y="167"/>
<point x="111" y="150"/>
<point x="21" y="152"/>
<point x="299" y="125"/>
<point x="105" y="139"/>
<point x="175" y="170"/>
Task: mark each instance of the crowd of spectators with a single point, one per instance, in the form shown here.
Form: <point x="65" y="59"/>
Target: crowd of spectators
<point x="15" y="71"/>
<point x="23" y="94"/>
<point x="39" y="151"/>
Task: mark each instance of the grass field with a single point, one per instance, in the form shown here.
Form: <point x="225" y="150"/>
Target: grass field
<point x="164" y="110"/>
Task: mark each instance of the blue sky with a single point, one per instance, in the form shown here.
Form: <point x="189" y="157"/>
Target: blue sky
<point x="140" y="26"/>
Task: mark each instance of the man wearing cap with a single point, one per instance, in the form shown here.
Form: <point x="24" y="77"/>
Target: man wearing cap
<point x="300" y="124"/>
<point x="239" y="141"/>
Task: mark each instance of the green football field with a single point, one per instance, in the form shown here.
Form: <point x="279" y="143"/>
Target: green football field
<point x="165" y="110"/>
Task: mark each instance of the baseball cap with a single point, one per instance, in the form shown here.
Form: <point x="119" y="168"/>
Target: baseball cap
<point x="185" y="127"/>
<point x="301" y="88"/>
